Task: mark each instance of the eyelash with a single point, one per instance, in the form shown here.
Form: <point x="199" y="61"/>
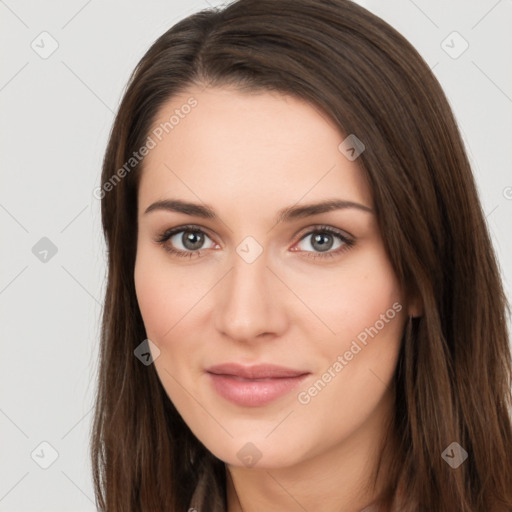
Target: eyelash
<point x="347" y="242"/>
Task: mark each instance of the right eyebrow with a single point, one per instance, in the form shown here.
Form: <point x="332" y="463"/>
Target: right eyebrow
<point x="175" y="205"/>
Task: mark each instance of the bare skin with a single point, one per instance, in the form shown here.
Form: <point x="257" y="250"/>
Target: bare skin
<point x="248" y="156"/>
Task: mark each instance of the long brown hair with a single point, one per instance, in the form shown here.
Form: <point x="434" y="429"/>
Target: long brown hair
<point x="453" y="379"/>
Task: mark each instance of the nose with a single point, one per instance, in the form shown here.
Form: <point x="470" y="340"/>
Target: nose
<point x="250" y="302"/>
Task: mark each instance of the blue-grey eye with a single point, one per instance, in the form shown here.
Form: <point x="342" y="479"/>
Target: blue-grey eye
<point x="190" y="240"/>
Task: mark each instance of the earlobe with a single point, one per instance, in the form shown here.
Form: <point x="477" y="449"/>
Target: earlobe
<point x="415" y="308"/>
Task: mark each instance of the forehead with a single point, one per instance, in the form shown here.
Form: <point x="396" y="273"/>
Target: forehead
<point x="222" y="143"/>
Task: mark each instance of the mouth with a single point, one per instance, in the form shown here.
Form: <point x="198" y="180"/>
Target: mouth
<point x="253" y="386"/>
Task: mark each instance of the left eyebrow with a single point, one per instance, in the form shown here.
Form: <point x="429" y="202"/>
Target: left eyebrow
<point x="299" y="212"/>
<point x="285" y="215"/>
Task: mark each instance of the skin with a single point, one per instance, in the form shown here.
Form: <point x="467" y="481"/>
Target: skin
<point x="248" y="156"/>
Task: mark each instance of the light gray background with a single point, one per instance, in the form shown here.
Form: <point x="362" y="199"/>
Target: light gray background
<point x="56" y="116"/>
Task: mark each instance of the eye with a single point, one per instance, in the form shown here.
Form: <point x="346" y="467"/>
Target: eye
<point x="323" y="241"/>
<point x="187" y="241"/>
<point x="184" y="241"/>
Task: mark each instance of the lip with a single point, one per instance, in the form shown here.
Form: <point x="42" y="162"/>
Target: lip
<point x="253" y="386"/>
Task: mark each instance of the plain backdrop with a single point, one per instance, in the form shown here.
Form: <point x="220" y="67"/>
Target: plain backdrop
<point x="57" y="111"/>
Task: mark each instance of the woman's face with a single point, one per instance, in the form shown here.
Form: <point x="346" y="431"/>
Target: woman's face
<point x="259" y="281"/>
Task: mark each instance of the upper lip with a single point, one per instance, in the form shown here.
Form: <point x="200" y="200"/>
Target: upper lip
<point x="258" y="371"/>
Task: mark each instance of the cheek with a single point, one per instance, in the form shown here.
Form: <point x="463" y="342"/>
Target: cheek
<point x="375" y="304"/>
<point x="166" y="302"/>
<point x="162" y="296"/>
<point x="172" y="311"/>
<point x="357" y="367"/>
<point x="150" y="297"/>
<point x="357" y="297"/>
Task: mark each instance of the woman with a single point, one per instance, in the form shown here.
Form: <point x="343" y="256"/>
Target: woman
<point x="303" y="309"/>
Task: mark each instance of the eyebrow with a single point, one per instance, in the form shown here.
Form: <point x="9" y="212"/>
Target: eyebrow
<point x="285" y="215"/>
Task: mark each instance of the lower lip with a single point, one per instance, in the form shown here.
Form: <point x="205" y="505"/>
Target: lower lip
<point x="253" y="393"/>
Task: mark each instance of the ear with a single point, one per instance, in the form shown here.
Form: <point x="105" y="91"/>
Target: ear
<point x="415" y="306"/>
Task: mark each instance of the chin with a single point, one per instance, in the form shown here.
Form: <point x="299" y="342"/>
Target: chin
<point x="257" y="453"/>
